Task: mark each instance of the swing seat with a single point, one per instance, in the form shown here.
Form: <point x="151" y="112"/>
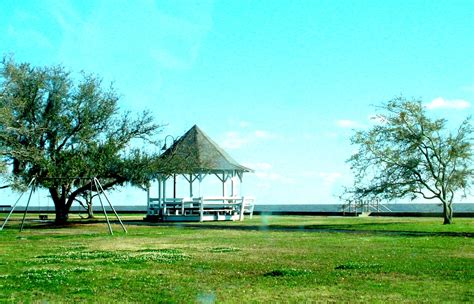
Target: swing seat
<point x="43" y="217"/>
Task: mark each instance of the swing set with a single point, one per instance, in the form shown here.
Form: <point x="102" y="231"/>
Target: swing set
<point x="93" y="181"/>
<point x="43" y="214"/>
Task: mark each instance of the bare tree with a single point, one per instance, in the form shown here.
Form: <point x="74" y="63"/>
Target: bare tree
<point x="409" y="155"/>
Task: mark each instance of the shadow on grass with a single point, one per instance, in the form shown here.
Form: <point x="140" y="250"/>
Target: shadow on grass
<point x="343" y="228"/>
<point x="360" y="228"/>
<point x="50" y="224"/>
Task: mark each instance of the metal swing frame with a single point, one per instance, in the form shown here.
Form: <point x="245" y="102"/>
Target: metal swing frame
<point x="94" y="181"/>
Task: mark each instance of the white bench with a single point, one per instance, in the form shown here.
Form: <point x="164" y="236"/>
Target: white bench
<point x="249" y="206"/>
<point x="202" y="208"/>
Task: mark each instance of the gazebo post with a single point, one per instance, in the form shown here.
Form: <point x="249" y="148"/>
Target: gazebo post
<point x="164" y="189"/>
<point x="159" y="190"/>
<point x="200" y="177"/>
<point x="224" y="190"/>
<point x="174" y="185"/>
<point x="163" y="198"/>
<point x="147" y="199"/>
<point x="191" y="186"/>
<point x="240" y="176"/>
<point x="232" y="190"/>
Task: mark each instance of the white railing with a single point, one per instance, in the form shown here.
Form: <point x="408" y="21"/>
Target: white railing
<point x="216" y="205"/>
<point x="365" y="206"/>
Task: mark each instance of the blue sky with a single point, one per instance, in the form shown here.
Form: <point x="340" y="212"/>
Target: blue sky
<point x="279" y="84"/>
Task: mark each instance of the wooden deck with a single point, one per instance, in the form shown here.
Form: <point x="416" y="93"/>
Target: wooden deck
<point x="200" y="209"/>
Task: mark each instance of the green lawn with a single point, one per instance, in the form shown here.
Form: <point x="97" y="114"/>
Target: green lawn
<point x="268" y="259"/>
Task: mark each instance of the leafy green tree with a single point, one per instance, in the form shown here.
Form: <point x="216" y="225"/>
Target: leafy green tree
<point x="409" y="155"/>
<point x="54" y="128"/>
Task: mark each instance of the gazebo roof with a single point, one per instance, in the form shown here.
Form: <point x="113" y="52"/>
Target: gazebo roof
<point x="195" y="152"/>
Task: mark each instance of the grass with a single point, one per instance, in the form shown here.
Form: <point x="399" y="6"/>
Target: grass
<point x="267" y="259"/>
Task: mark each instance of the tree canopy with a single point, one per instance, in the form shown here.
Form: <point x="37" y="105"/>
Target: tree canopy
<point x="56" y="128"/>
<point x="408" y="155"/>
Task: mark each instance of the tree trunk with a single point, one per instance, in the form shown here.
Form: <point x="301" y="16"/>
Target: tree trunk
<point x="62" y="213"/>
<point x="447" y="213"/>
<point x="90" y="210"/>
<point x="61" y="208"/>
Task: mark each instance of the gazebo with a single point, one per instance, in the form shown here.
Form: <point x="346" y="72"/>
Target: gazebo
<point x="195" y="156"/>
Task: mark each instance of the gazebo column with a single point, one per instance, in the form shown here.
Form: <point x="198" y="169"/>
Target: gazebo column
<point x="164" y="189"/>
<point x="200" y="178"/>
<point x="224" y="188"/>
<point x="232" y="184"/>
<point x="174" y="185"/>
<point x="148" y="200"/>
<point x="159" y="190"/>
<point x="223" y="179"/>
<point x="163" y="198"/>
<point x="191" y="178"/>
<point x="236" y="188"/>
<point x="240" y="176"/>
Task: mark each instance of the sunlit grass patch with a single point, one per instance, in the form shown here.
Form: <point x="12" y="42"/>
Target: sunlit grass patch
<point x="167" y="256"/>
<point x="48" y="278"/>
<point x="145" y="255"/>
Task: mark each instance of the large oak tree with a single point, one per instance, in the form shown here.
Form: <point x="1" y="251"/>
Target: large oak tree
<point x="408" y="155"/>
<point x="55" y="127"/>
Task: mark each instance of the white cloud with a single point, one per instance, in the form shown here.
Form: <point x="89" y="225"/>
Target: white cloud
<point x="264" y="134"/>
<point x="264" y="186"/>
<point x="235" y="139"/>
<point x="258" y="166"/>
<point x="168" y="59"/>
<point x="163" y="38"/>
<point x="265" y="174"/>
<point x="329" y="178"/>
<point x="309" y="174"/>
<point x="244" y="124"/>
<point x="331" y="135"/>
<point x="240" y="124"/>
<point x="468" y="88"/>
<point x="274" y="177"/>
<point x="347" y="123"/>
<point x="441" y="103"/>
<point x="29" y="36"/>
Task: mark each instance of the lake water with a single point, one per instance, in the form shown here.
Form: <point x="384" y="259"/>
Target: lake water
<point x="300" y="208"/>
<point x="422" y="208"/>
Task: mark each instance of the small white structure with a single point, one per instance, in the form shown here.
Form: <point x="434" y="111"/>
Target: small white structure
<point x="364" y="207"/>
<point x="195" y="156"/>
